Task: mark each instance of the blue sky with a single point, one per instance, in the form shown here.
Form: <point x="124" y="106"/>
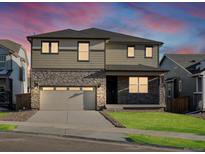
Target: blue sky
<point x="181" y="26"/>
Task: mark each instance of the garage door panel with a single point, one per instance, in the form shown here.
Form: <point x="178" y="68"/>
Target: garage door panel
<point x="67" y="100"/>
<point x="75" y="100"/>
<point x="61" y="100"/>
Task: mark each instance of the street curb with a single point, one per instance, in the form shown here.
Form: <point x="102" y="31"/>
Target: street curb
<point x="97" y="139"/>
<point x="66" y="136"/>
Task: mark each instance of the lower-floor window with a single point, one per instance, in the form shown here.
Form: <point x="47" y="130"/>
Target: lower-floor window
<point x="138" y="84"/>
<point x="48" y="88"/>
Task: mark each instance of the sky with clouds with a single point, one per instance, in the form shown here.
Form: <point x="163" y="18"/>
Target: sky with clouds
<point x="181" y="26"/>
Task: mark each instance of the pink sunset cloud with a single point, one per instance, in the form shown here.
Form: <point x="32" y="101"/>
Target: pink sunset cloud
<point x="161" y="23"/>
<point x="158" y="22"/>
<point x="74" y="14"/>
<point x="196" y="11"/>
<point x="186" y="50"/>
<point x="34" y="18"/>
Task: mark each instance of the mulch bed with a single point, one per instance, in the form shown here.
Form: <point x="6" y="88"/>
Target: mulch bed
<point x="18" y="116"/>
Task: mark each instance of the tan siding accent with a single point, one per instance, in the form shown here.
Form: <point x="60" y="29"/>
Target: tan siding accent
<point x="116" y="54"/>
<point x="67" y="59"/>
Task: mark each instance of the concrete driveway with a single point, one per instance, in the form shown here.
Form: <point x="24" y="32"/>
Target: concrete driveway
<point x="83" y="119"/>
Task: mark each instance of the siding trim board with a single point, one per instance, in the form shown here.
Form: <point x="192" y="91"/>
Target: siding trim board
<point x="67" y="60"/>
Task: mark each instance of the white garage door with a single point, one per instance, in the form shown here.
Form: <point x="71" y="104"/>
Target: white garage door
<point x="67" y="98"/>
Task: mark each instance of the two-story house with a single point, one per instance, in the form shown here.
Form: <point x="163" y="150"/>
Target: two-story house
<point x="13" y="72"/>
<point x="179" y="80"/>
<point x="92" y="69"/>
<point x="198" y="71"/>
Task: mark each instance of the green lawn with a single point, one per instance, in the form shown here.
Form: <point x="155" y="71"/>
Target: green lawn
<point x="168" y="141"/>
<point x="7" y="127"/>
<point x="3" y="114"/>
<point x="160" y="121"/>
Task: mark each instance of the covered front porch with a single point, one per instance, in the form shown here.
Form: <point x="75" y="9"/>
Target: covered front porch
<point x="135" y="89"/>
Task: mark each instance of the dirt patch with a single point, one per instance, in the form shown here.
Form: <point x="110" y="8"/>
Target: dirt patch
<point x="17" y="116"/>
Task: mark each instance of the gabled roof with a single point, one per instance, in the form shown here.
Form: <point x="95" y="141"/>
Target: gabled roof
<point x="13" y="47"/>
<point x="117" y="37"/>
<point x="185" y="60"/>
<point x="66" y="33"/>
<point x="139" y="67"/>
<point x="94" y="33"/>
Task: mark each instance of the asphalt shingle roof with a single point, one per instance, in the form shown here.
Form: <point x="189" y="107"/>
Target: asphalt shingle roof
<point x="133" y="68"/>
<point x="186" y="60"/>
<point x="94" y="33"/>
<point x="13" y="46"/>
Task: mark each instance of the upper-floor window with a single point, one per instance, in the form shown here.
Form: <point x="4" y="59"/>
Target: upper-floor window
<point x="2" y="61"/>
<point x="130" y="51"/>
<point x="148" y="52"/>
<point x="50" y="47"/>
<point x="199" y="83"/>
<point x="138" y="84"/>
<point x="21" y="73"/>
<point x="83" y="51"/>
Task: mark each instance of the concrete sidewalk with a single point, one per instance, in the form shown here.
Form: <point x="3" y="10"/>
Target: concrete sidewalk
<point x="112" y="134"/>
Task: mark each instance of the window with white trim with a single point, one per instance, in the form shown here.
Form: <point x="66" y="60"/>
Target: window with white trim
<point x="48" y="88"/>
<point x="83" y="51"/>
<point x="2" y="61"/>
<point x="138" y="84"/>
<point x="61" y="88"/>
<point x="74" y="88"/>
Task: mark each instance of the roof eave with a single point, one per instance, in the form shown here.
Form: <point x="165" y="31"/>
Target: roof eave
<point x="29" y="38"/>
<point x="135" y="42"/>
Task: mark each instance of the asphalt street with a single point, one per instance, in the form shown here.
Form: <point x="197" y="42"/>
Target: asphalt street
<point x="19" y="142"/>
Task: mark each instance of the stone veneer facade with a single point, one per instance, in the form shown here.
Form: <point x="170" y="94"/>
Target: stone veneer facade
<point x="152" y="97"/>
<point x="40" y="78"/>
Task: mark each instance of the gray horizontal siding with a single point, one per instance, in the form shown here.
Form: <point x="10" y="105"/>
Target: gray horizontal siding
<point x="67" y="59"/>
<point x="175" y="71"/>
<point x="116" y="54"/>
<point x="71" y="44"/>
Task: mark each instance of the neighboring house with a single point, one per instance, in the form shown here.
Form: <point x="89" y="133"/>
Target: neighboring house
<point x="13" y="72"/>
<point x="198" y="71"/>
<point x="179" y="80"/>
<point x="93" y="69"/>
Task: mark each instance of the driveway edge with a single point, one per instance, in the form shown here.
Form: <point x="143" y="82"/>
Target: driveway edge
<point x="111" y="120"/>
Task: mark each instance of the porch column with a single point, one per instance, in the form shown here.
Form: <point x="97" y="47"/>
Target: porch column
<point x="162" y="90"/>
